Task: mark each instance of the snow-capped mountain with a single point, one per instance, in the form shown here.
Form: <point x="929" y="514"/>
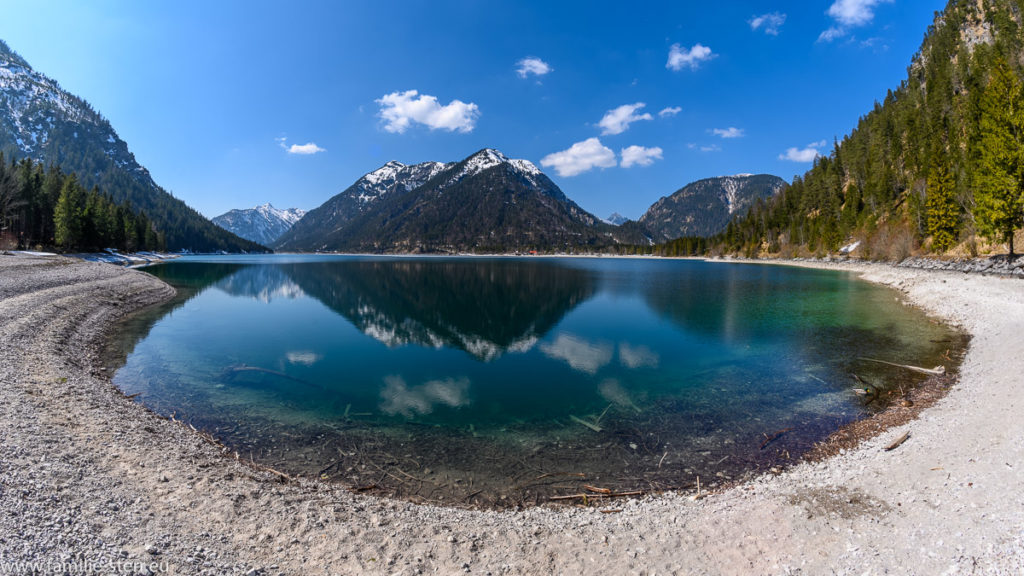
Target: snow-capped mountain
<point x="616" y="219"/>
<point x="263" y="224"/>
<point x="395" y="176"/>
<point x="486" y="202"/>
<point x="704" y="207"/>
<point x="42" y="121"/>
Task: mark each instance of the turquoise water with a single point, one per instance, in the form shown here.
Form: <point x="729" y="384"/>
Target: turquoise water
<point x="434" y="378"/>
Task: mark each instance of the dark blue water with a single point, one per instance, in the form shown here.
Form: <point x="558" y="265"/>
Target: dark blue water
<point x="434" y="378"/>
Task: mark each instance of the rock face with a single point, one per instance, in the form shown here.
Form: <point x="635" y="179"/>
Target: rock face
<point x="263" y="224"/>
<point x="41" y="121"/>
<point x="704" y="207"/>
<point x="486" y="202"/>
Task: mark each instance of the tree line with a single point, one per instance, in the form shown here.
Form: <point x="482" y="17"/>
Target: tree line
<point x="935" y="165"/>
<point x="42" y="207"/>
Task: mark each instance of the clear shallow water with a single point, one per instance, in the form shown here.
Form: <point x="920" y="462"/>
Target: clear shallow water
<point x="503" y="381"/>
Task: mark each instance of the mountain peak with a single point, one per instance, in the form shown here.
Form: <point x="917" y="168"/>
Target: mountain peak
<point x="488" y="158"/>
<point x="263" y="224"/>
<point x="385" y="172"/>
<point x="704" y="208"/>
<point x="616" y="219"/>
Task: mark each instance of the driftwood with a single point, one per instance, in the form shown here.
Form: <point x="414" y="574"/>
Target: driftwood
<point x="587" y="496"/>
<point x="593" y="427"/>
<point x="596" y="489"/>
<point x="244" y="368"/>
<point x="937" y="371"/>
<point x="898" y="441"/>
<point x="768" y="439"/>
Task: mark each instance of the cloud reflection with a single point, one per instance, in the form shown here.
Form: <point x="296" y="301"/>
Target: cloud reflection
<point x="398" y="398"/>
<point x="578" y="353"/>
<point x="638" y="356"/>
<point x="613" y="392"/>
<point x="303" y="357"/>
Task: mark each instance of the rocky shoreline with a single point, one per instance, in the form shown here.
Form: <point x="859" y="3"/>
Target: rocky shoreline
<point x="87" y="475"/>
<point x="1000" y="265"/>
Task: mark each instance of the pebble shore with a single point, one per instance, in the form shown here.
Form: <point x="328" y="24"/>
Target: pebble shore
<point x="88" y="475"/>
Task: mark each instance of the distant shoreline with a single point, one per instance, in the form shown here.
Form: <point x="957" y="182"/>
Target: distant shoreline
<point x="87" y="471"/>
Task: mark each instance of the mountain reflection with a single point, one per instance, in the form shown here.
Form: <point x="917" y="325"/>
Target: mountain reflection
<point x="484" y="307"/>
<point x="263" y="283"/>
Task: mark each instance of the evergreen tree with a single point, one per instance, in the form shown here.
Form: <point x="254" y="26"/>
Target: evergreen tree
<point x="999" y="175"/>
<point x="943" y="212"/>
<point x="68" y="214"/>
<point x="9" y="190"/>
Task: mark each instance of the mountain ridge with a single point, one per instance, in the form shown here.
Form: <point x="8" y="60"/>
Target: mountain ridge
<point x="262" y="224"/>
<point x="704" y="207"/>
<point x="42" y="121"/>
<point x="485" y="202"/>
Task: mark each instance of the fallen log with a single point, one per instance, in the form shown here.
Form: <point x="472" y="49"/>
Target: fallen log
<point x="593" y="427"/>
<point x="773" y="437"/>
<point x="586" y="496"/>
<point x="244" y="368"/>
<point x="937" y="371"/>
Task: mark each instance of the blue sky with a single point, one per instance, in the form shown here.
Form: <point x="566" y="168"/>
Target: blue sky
<point x="233" y="104"/>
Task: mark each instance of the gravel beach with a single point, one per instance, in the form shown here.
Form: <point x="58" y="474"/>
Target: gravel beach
<point x="90" y="478"/>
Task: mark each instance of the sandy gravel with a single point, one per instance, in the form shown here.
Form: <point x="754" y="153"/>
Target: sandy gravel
<point x="87" y="475"/>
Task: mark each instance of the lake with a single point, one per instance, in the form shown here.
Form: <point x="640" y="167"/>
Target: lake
<point x="504" y="381"/>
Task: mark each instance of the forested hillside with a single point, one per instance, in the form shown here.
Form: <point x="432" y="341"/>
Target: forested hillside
<point x="936" y="166"/>
<point x="42" y="121"/>
<point x="46" y="208"/>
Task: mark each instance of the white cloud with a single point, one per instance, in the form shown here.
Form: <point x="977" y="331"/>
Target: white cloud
<point x="730" y="132"/>
<point x="305" y="149"/>
<point x="640" y="156"/>
<point x="580" y="157"/>
<point x="807" y="154"/>
<point x="831" y="34"/>
<point x="618" y="120"/>
<point x="711" y="148"/>
<point x="301" y="149"/>
<point x="581" y="355"/>
<point x="849" y="14"/>
<point x="670" y="111"/>
<point x="399" y="110"/>
<point x="531" y="65"/>
<point x="679" y="58"/>
<point x="854" y="12"/>
<point x="770" y="22"/>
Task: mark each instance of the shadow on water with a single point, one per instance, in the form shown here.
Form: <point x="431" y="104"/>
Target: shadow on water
<point x="535" y="378"/>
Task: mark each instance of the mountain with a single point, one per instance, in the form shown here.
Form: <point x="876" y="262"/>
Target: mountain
<point x="41" y="121"/>
<point x="358" y="199"/>
<point x="262" y="224"/>
<point x="927" y="167"/>
<point x="484" y="203"/>
<point x="704" y="208"/>
<point x="616" y="219"/>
